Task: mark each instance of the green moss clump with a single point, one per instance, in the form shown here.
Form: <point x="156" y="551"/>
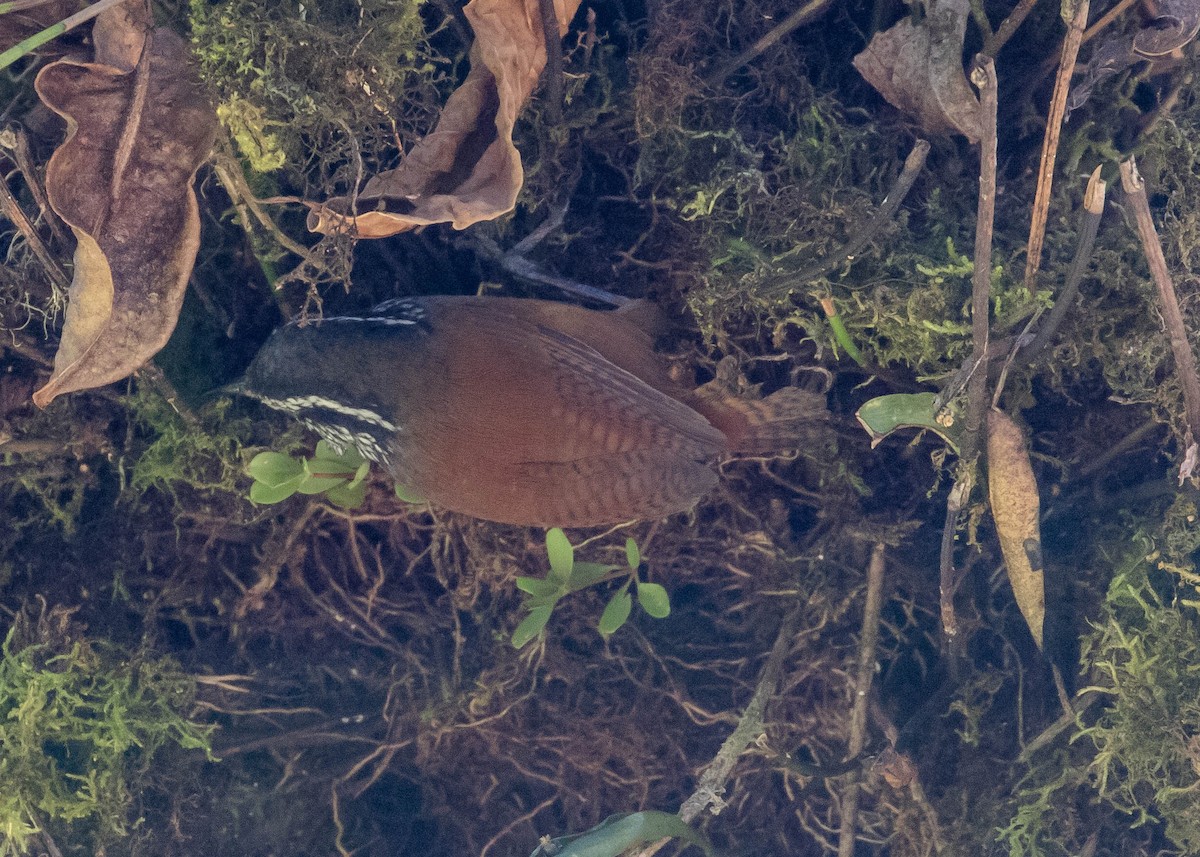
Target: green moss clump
<point x="80" y="723"/>
<point x="316" y="84"/>
<point x="1147" y="741"/>
<point x="204" y="457"/>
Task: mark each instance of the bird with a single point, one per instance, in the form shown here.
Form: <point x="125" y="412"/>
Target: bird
<point x="520" y="411"/>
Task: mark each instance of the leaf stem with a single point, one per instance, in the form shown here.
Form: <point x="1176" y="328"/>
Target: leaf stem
<point x="840" y="333"/>
<point x="40" y="38"/>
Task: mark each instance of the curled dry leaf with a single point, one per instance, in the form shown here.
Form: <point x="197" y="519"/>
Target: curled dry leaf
<point x="467" y="169"/>
<point x="123" y="182"/>
<point x="918" y="68"/>
<point x="1013" y="493"/>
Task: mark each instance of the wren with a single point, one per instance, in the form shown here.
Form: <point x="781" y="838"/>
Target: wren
<point x="519" y="411"/>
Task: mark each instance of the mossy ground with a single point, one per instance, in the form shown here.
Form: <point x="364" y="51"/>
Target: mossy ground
<point x="357" y="665"/>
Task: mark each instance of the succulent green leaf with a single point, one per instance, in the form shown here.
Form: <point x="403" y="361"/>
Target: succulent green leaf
<point x="616" y="612"/>
<point x="654" y="600"/>
<point x="318" y="484"/>
<point x="361" y="474"/>
<point x="560" y="552"/>
<point x="349" y="496"/>
<point x="633" y="556"/>
<point x="274" y="468"/>
<point x="619" y="833"/>
<point x="539" y="587"/>
<point x="885" y="414"/>
<point x="532" y="625"/>
<point x="325" y="468"/>
<point x="350" y="457"/>
<point x="585" y="574"/>
<point x="264" y="494"/>
<point x="409" y="496"/>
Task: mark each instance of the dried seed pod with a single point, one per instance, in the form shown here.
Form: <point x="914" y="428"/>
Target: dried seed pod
<point x="1013" y="493"/>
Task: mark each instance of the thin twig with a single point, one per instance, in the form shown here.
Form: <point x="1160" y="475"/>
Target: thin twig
<point x="960" y="491"/>
<point x="983" y="75"/>
<point x="52" y="32"/>
<point x="152" y="376"/>
<point x="229" y="173"/>
<point x="998" y="39"/>
<point x="867" y="644"/>
<point x="786" y="282"/>
<point x="1168" y="304"/>
<point x="1079" y="705"/>
<point x="12" y="210"/>
<point x="26" y="346"/>
<point x="1093" y="210"/>
<point x="554" y="64"/>
<point x="1112" y="451"/>
<point x="516" y="261"/>
<point x="802" y="15"/>
<point x="1107" y="18"/>
<point x="18" y="145"/>
<point x="457" y="20"/>
<point x="1054" y="121"/>
<point x="750" y="725"/>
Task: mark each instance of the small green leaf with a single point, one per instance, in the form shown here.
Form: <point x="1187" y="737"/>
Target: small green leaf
<point x="560" y="552"/>
<point x="318" y="484"/>
<point x="409" y="496"/>
<point x="585" y="574"/>
<point x="633" y="556"/>
<point x="538" y="587"/>
<point x="329" y="468"/>
<point x="885" y="414"/>
<point x="532" y="625"/>
<point x="264" y="494"/>
<point x="361" y="473"/>
<point x="654" y="600"/>
<point x="350" y="458"/>
<point x="619" y="833"/>
<point x="349" y="496"/>
<point x="274" y="468"/>
<point x="616" y="612"/>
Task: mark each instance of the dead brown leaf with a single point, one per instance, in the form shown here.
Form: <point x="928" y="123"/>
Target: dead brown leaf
<point x="1013" y="492"/>
<point x="918" y="68"/>
<point x="467" y="169"/>
<point x="123" y="182"/>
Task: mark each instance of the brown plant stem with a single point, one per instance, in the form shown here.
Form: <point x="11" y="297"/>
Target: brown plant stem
<point x="802" y="15"/>
<point x="867" y="644"/>
<point x="997" y="40"/>
<point x="1168" y="304"/>
<point x="712" y="781"/>
<point x="1089" y="223"/>
<point x="554" y="64"/>
<point x="1054" y="121"/>
<point x="11" y="209"/>
<point x="16" y="141"/>
<point x="780" y="285"/>
<point x="983" y="75"/>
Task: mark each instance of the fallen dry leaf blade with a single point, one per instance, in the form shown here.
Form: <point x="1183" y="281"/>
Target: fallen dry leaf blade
<point x="138" y="231"/>
<point x="1013" y="493"/>
<point x="467" y="169"/>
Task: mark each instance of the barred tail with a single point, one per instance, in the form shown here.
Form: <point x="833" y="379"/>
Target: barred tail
<point x="782" y="421"/>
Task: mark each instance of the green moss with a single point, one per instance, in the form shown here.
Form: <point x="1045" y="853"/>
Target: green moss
<point x="308" y="85"/>
<point x="205" y="457"/>
<point x="80" y="723"/>
<point x="1147" y="646"/>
